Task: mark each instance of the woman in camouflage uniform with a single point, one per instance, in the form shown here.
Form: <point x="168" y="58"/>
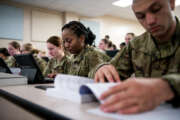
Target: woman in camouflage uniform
<point x="28" y="48"/>
<point x="58" y="58"/>
<point x="77" y="41"/>
<point x="13" y="49"/>
<point x="4" y="54"/>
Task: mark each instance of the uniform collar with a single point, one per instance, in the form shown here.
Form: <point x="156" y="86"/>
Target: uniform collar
<point x="79" y="57"/>
<point x="166" y="49"/>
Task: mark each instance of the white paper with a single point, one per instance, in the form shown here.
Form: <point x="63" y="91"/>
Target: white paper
<point x="70" y="82"/>
<point x="163" y="112"/>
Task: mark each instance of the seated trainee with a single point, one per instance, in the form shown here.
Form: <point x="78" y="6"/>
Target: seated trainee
<point x="77" y="41"/>
<point x="28" y="48"/>
<point x="103" y="45"/>
<point x="129" y="36"/>
<point x="154" y="57"/>
<point x="4" y="54"/>
<point x="58" y="58"/>
<point x="13" y="49"/>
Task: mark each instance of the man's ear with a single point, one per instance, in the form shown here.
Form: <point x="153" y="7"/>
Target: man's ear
<point x="172" y="4"/>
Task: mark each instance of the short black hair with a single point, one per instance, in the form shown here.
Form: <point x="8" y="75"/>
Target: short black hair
<point x="123" y="44"/>
<point x="4" y="51"/>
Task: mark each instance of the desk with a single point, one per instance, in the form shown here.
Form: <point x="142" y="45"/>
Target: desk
<point x="48" y="106"/>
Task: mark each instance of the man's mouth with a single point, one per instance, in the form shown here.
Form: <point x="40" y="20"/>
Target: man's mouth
<point x="154" y="29"/>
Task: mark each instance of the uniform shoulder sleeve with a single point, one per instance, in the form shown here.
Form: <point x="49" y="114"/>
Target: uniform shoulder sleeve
<point x="174" y="82"/>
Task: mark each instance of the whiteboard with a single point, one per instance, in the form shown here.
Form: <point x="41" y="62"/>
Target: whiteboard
<point x="45" y="25"/>
<point x="95" y="28"/>
<point x="11" y="22"/>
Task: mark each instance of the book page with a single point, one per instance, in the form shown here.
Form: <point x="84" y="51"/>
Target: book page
<point x="163" y="112"/>
<point x="70" y="83"/>
<point x="96" y="88"/>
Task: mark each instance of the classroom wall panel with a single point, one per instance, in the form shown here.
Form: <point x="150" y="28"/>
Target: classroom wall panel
<point x="11" y="22"/>
<point x="114" y="26"/>
<point x="45" y="25"/>
<point x="117" y="28"/>
<point x="94" y="27"/>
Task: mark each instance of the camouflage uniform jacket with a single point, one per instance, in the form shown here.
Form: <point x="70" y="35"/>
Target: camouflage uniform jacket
<point x="85" y="61"/>
<point x="143" y="57"/>
<point x="40" y="62"/>
<point x="56" y="66"/>
<point x="11" y="61"/>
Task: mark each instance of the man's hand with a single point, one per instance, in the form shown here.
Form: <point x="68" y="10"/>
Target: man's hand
<point x="107" y="71"/>
<point x="136" y="95"/>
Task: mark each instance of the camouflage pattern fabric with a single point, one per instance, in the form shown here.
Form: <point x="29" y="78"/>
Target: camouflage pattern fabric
<point x="56" y="66"/>
<point x="40" y="62"/>
<point x="11" y="62"/>
<point x="84" y="62"/>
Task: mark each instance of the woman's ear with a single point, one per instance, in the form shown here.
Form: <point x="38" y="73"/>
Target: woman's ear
<point x="82" y="38"/>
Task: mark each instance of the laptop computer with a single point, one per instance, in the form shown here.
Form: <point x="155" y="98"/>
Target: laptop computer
<point x="30" y="69"/>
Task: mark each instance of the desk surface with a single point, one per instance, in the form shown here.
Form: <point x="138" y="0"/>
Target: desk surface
<point x="61" y="106"/>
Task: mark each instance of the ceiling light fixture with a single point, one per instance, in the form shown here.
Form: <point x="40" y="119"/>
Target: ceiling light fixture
<point x="177" y="2"/>
<point x="122" y="3"/>
<point x="126" y="3"/>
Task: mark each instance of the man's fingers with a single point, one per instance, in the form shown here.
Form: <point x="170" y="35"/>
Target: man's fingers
<point x="130" y="110"/>
<point x="99" y="77"/>
<point x="107" y="72"/>
<point x="113" y="90"/>
<point x="115" y="75"/>
<point x="120" y="105"/>
<point x="117" y="97"/>
<point x="109" y="76"/>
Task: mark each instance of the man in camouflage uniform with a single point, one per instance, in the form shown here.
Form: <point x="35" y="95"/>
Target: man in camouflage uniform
<point x="154" y="57"/>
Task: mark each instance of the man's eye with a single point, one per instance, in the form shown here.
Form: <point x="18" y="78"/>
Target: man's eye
<point x="155" y="10"/>
<point x="68" y="41"/>
<point x="140" y="16"/>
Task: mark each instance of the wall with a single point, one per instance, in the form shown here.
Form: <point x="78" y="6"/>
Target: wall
<point x="27" y="35"/>
<point x="116" y="27"/>
<point x="113" y="26"/>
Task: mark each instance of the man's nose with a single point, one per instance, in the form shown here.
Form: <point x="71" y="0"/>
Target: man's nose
<point x="66" y="45"/>
<point x="150" y="19"/>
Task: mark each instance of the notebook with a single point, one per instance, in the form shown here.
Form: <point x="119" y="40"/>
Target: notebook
<point x="7" y="79"/>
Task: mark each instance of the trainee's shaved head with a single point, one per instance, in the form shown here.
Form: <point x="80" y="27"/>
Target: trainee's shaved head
<point x="144" y="2"/>
<point x="134" y="1"/>
<point x="137" y="1"/>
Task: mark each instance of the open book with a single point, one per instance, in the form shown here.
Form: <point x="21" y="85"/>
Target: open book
<point x="77" y="89"/>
